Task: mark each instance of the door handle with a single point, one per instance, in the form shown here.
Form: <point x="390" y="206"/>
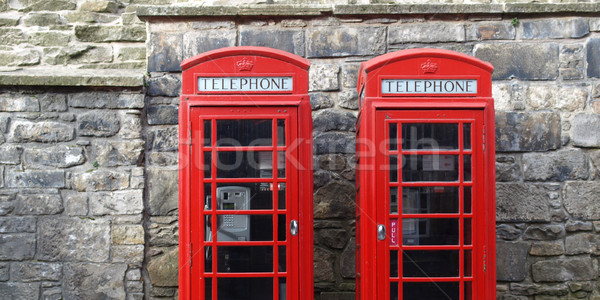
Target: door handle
<point x="381" y="232"/>
<point x="294" y="227"/>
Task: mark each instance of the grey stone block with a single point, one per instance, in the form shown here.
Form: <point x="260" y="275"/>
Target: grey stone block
<point x="53" y="102"/>
<point x="345" y="41"/>
<point x="544" y="232"/>
<point x="44" y="202"/>
<point x="10" y="154"/>
<point x="434" y="32"/>
<point x="110" y="33"/>
<point x="522" y="202"/>
<point x="565" y="269"/>
<point x="333" y="119"/>
<point x="35" y="271"/>
<point x="116" y="153"/>
<point x="19" y="290"/>
<point x="101" y="180"/>
<point x="507" y="232"/>
<point x="34" y="178"/>
<point x="198" y="42"/>
<point x="323" y="77"/>
<point x="585" y="130"/>
<point x="334" y="200"/>
<point x="324" y="265"/>
<point x="60" y="156"/>
<point x="561" y="165"/>
<point x="582" y="243"/>
<point x="532" y="131"/>
<point x="73" y="239"/>
<point x="94" y="281"/>
<point x="490" y="31"/>
<point x="290" y="40"/>
<point x="19" y="103"/>
<point x="539" y="290"/>
<point x="17" y="246"/>
<point x="43" y="132"/>
<point x="4" y="271"/>
<point x="348" y="99"/>
<point x="165" y="139"/>
<point x="131" y="254"/>
<point x="163" y="269"/>
<point x="348" y="260"/>
<point x="580" y="200"/>
<point x="162" y="115"/>
<point x="593" y="57"/>
<point x="165" y="52"/>
<point x="507" y="168"/>
<point x="98" y="124"/>
<point x="555" y="29"/>
<point x="127" y="202"/>
<point x="334" y="142"/>
<point x="320" y="100"/>
<point x="17" y="224"/>
<point x="163" y="191"/>
<point x="165" y="85"/>
<point x="163" y="231"/>
<point x="547" y="248"/>
<point x="514" y="60"/>
<point x="106" y="100"/>
<point x="511" y="262"/>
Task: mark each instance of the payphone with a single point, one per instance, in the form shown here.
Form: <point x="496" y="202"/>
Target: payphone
<point x="245" y="192"/>
<point x="425" y="226"/>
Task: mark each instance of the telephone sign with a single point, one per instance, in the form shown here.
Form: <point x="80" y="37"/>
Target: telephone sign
<point x="425" y="178"/>
<point x="245" y="199"/>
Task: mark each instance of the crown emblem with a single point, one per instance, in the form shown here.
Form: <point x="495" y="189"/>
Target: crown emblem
<point x="244" y="65"/>
<point x="429" y="66"/>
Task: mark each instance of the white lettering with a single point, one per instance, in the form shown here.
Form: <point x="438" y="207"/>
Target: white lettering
<point x="428" y="86"/>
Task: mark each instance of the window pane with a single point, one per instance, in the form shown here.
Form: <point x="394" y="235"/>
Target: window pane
<point x="431" y="290"/>
<point x="429" y="168"/>
<point x="208" y="288"/>
<point x="282" y="288"/>
<point x="282" y="228"/>
<point x="438" y="263"/>
<point x="393" y="200"/>
<point x="207" y="259"/>
<point x="245" y="288"/>
<point x="207" y="133"/>
<point x="244" y="132"/>
<point x="429" y="136"/>
<point x="467" y="136"/>
<point x="468" y="232"/>
<point x="467" y="201"/>
<point x="430" y="200"/>
<point x="241" y="228"/>
<point x="280" y="132"/>
<point x="245" y="164"/>
<point x="430" y="231"/>
<point x="244" y="196"/>
<point x="280" y="164"/>
<point x="282" y="259"/>
<point x="468" y="290"/>
<point x="468" y="263"/>
<point x="207" y="197"/>
<point x="281" y="195"/>
<point x="467" y="167"/>
<point x="393" y="291"/>
<point x="393" y="168"/>
<point x="207" y="164"/>
<point x="393" y="263"/>
<point x="393" y="137"/>
<point x="238" y="259"/>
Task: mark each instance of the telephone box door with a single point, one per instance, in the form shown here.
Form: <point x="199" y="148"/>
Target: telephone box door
<point x="246" y="200"/>
<point x="433" y="208"/>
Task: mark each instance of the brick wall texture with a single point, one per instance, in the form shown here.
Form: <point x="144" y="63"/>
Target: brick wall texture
<point x="88" y="176"/>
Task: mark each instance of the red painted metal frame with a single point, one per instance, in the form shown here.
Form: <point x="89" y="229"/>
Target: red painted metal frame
<point x="370" y="203"/>
<point x="266" y="62"/>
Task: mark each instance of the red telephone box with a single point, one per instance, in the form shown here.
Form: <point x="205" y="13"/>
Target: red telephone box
<point x="245" y="198"/>
<point x="425" y="177"/>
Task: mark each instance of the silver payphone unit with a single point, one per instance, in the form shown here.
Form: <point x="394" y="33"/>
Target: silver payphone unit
<point x="232" y="227"/>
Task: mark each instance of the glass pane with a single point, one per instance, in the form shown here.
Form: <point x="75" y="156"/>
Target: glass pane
<point x="208" y="228"/>
<point x="241" y="228"/>
<point x="243" y="196"/>
<point x="393" y="200"/>
<point x="280" y="132"/>
<point x="243" y="259"/>
<point x="438" y="263"/>
<point x="393" y="168"/>
<point x="208" y="288"/>
<point x="281" y="228"/>
<point x="429" y="168"/>
<point x="468" y="290"/>
<point x="280" y="164"/>
<point x="207" y="259"/>
<point x="468" y="263"/>
<point x="431" y="290"/>
<point x="467" y="136"/>
<point x="430" y="200"/>
<point x="207" y="164"/>
<point x="467" y="201"/>
<point x="393" y="138"/>
<point x="243" y="164"/>
<point x="393" y="263"/>
<point x="207" y="197"/>
<point x="245" y="288"/>
<point x="429" y="136"/>
<point x="430" y="231"/>
<point x="393" y="291"/>
<point x="207" y="133"/>
<point x="282" y="259"/>
<point x="468" y="232"/>
<point x="467" y="167"/>
<point x="244" y="132"/>
<point x="281" y="195"/>
<point x="282" y="288"/>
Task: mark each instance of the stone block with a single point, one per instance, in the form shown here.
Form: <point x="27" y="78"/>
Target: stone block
<point x="7" y="200"/>
<point x="11" y="36"/>
<point x="582" y="243"/>
<point x="20" y="290"/>
<point x="544" y="232"/>
<point x="76" y="204"/>
<point x="133" y="274"/>
<point x="110" y="33"/>
<point x="320" y="100"/>
<point x="289" y="40"/>
<point x="348" y="260"/>
<point x="508" y="168"/>
<point x="564" y="98"/>
<point x="94" y="281"/>
<point x="334" y="142"/>
<point x="131" y="125"/>
<point x="163" y="269"/>
<point x="4" y="119"/>
<point x="165" y="85"/>
<point x="165" y="52"/>
<point x="126" y="53"/>
<point x="98" y="124"/>
<point x="128" y="235"/>
<point x="135" y="287"/>
<point x="345" y="41"/>
<point x="131" y="254"/>
<point x="4" y="271"/>
<point x="116" y="153"/>
<point x="128" y="202"/>
<point x="575" y="225"/>
<point x="42" y="19"/>
<point x="507" y="232"/>
<point x="324" y="265"/>
<point x="53" y="102"/>
<point x="490" y="31"/>
<point x="593" y="57"/>
<point x="348" y="99"/>
<point x="101" y="180"/>
<point x="350" y="75"/>
<point x="163" y="231"/>
<point x="9" y="19"/>
<point x="561" y="165"/>
<point x="334" y="200"/>
<point x="539" y="290"/>
<point x="555" y="29"/>
<point x="19" y="57"/>
<point x="433" y="32"/>
<point x="165" y="139"/>
<point x="163" y="191"/>
<point x="585" y="130"/>
<point x="60" y="156"/>
<point x="10" y="154"/>
<point x="18" y="103"/>
<point x="323" y="77"/>
<point x="73" y="239"/>
<point x="162" y="115"/>
<point x="511" y="263"/>
<point x="550" y="248"/>
<point x="332" y="237"/>
<point x="99" y="6"/>
<point x="35" y="271"/>
<point x="513" y="60"/>
<point x="17" y="224"/>
<point x="565" y="269"/>
<point x="523" y="202"/>
<point x="531" y="131"/>
<point x="43" y="202"/>
<point x="42" y="132"/>
<point x="580" y="200"/>
<point x="54" y="5"/>
<point x="17" y="246"/>
<point x="34" y="178"/>
<point x="333" y="119"/>
<point x="197" y="42"/>
<point x="106" y="100"/>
